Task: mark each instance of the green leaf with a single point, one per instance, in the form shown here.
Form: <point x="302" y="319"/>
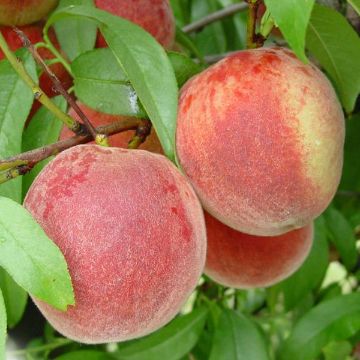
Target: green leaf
<point x="240" y="21"/>
<point x="171" y="342"/>
<point x="292" y="17"/>
<point x="331" y="291"/>
<point x="145" y="63"/>
<point x="181" y="11"/>
<point x="15" y="298"/>
<point x="250" y="300"/>
<point x="237" y="338"/>
<point x="31" y="258"/>
<point x="212" y="39"/>
<point x="16" y="99"/>
<point x="337" y="350"/>
<point x="86" y="354"/>
<point x="31" y="347"/>
<point x="2" y="327"/>
<point x="183" y="66"/>
<point x="308" y="277"/>
<point x="355" y="4"/>
<point x="186" y="41"/>
<point x="342" y="236"/>
<point x="332" y="320"/>
<point x="75" y="36"/>
<point x="101" y="84"/>
<point x="43" y="129"/>
<point x="350" y="179"/>
<point x="336" y="46"/>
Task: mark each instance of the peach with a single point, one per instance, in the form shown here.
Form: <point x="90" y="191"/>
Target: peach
<point x="246" y="261"/>
<point x="122" y="139"/>
<point x="155" y="16"/>
<point x="24" y="12"/>
<point x="260" y="136"/>
<point x="133" y="233"/>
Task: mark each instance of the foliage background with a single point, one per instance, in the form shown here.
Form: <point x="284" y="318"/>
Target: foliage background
<point x="315" y="313"/>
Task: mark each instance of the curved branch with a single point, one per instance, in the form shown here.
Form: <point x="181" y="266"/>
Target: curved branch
<point x="21" y="164"/>
<point x="215" y="16"/>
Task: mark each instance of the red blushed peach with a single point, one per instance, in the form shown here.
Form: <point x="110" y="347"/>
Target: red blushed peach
<point x="24" y="12"/>
<point x="122" y="139"/>
<point x="246" y="261"/>
<point x="133" y="234"/>
<point x="155" y="16"/>
<point x="260" y="136"/>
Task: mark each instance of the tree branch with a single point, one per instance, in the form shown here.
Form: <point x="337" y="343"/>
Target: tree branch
<point x="142" y="132"/>
<point x="212" y="59"/>
<point x="348" y="193"/>
<point x="19" y="67"/>
<point x="215" y="16"/>
<point x="253" y="40"/>
<point x="100" y="139"/>
<point x="21" y="164"/>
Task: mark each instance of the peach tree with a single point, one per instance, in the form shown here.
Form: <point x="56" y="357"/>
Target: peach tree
<point x="241" y="123"/>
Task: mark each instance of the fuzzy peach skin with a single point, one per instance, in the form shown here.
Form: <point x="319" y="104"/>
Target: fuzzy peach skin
<point x="132" y="231"/>
<point x="260" y="136"/>
<point x="122" y="139"/>
<point x="245" y="261"/>
<point x="155" y="16"/>
<point x="24" y="12"/>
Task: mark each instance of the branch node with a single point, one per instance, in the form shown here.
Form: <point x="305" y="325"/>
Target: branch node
<point x="142" y="132"/>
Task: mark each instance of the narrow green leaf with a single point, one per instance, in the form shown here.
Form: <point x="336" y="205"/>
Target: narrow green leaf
<point x="43" y="129"/>
<point x="310" y="274"/>
<point x="332" y="320"/>
<point x="145" y="63"/>
<point x="86" y="355"/>
<point x="15" y="104"/>
<point x="292" y="17"/>
<point x="101" y="84"/>
<point x="336" y="46"/>
<point x="240" y="23"/>
<point x="183" y="66"/>
<point x="212" y="39"/>
<point x="75" y="36"/>
<point x="31" y="258"/>
<point x="355" y="4"/>
<point x="15" y="298"/>
<point x="2" y="327"/>
<point x="180" y="10"/>
<point x="171" y="342"/>
<point x="186" y="41"/>
<point x="237" y="338"/>
<point x="350" y="179"/>
<point x="342" y="236"/>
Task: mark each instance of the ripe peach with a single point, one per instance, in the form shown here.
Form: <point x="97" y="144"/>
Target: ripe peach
<point x="122" y="139"/>
<point x="24" y="12"/>
<point x="260" y="136"/>
<point x="133" y="233"/>
<point x="246" y="261"/>
<point x="155" y="16"/>
<point x="35" y="35"/>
